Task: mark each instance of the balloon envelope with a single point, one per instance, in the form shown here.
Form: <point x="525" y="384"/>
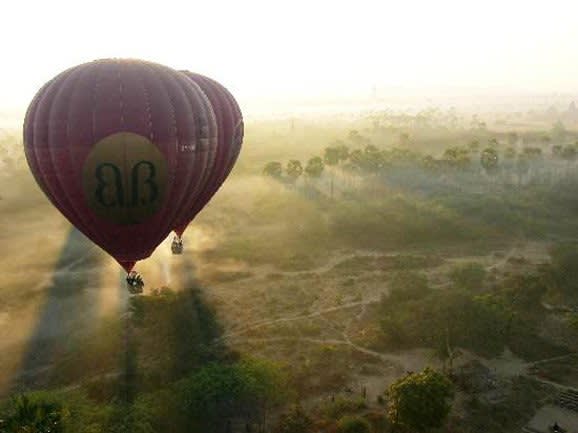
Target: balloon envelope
<point x="229" y="121"/>
<point x="124" y="149"/>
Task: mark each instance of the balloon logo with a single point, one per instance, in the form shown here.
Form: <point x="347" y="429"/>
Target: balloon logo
<point x="124" y="178"/>
<point x="130" y="150"/>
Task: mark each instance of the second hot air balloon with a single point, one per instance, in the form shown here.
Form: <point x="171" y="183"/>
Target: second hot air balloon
<point x="230" y="130"/>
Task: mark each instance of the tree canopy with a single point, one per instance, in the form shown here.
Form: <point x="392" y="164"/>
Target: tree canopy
<point x="420" y="401"/>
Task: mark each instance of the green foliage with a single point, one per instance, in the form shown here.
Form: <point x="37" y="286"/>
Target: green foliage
<point x="273" y="169"/>
<point x="419" y="401"/>
<point x="314" y="167"/>
<point x="294" y="420"/>
<point x="511" y="414"/>
<point x="532" y="153"/>
<point x="294" y="170"/>
<point x="469" y="276"/>
<point x="474" y="145"/>
<point x="367" y="160"/>
<point x="178" y="330"/>
<point x="447" y="320"/>
<point x="457" y="157"/>
<point x="34" y="416"/>
<point x="217" y="393"/>
<point x="129" y="419"/>
<point x="489" y="160"/>
<point x="395" y="220"/>
<point x="562" y="275"/>
<point x="353" y="424"/>
<point x="331" y="155"/>
<point x="39" y="412"/>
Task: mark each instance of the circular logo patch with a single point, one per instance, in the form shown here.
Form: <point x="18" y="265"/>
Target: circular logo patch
<point x="124" y="178"/>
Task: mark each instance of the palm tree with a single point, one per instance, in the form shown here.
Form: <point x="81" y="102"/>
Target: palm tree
<point x="294" y="170"/>
<point x="273" y="169"/>
<point x="314" y="167"/>
<point x="489" y="160"/>
<point x="313" y="170"/>
<point x="457" y="157"/>
<point x="474" y="145"/>
<point x="331" y="158"/>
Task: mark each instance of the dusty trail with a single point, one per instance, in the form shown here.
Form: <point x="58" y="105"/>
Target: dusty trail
<point x="328" y="341"/>
<point x="317" y="313"/>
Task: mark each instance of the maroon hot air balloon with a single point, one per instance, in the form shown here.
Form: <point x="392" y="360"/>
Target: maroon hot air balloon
<point x="124" y="149"/>
<point x="229" y="139"/>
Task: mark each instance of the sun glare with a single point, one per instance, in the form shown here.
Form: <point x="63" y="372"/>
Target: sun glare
<point x="272" y="52"/>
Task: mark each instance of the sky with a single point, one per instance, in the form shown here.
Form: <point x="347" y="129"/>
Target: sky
<point x="270" y="51"/>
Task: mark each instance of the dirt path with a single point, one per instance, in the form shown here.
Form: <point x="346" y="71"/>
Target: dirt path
<point x="263" y="323"/>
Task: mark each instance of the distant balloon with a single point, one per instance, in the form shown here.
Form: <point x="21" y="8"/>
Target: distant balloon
<point x="229" y="139"/>
<point x="127" y="150"/>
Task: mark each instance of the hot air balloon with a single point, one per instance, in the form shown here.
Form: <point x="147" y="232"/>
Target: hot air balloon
<point x="229" y="139"/>
<point x="125" y="149"/>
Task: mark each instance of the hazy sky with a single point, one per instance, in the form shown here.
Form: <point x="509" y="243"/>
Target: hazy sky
<point x="300" y="48"/>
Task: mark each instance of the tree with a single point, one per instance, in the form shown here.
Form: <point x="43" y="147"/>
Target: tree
<point x="218" y="393"/>
<point x="373" y="160"/>
<point x="273" y="169"/>
<point x="356" y="138"/>
<point x="356" y="159"/>
<point x="562" y="275"/>
<point x="294" y="170"/>
<point x="532" y="152"/>
<point x="353" y="424"/>
<point x="314" y="167"/>
<point x="34" y="417"/>
<point x="474" y="145"/>
<point x="331" y="158"/>
<point x="457" y="157"/>
<point x="489" y="160"/>
<point x="419" y="401"/>
<point x="294" y="421"/>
